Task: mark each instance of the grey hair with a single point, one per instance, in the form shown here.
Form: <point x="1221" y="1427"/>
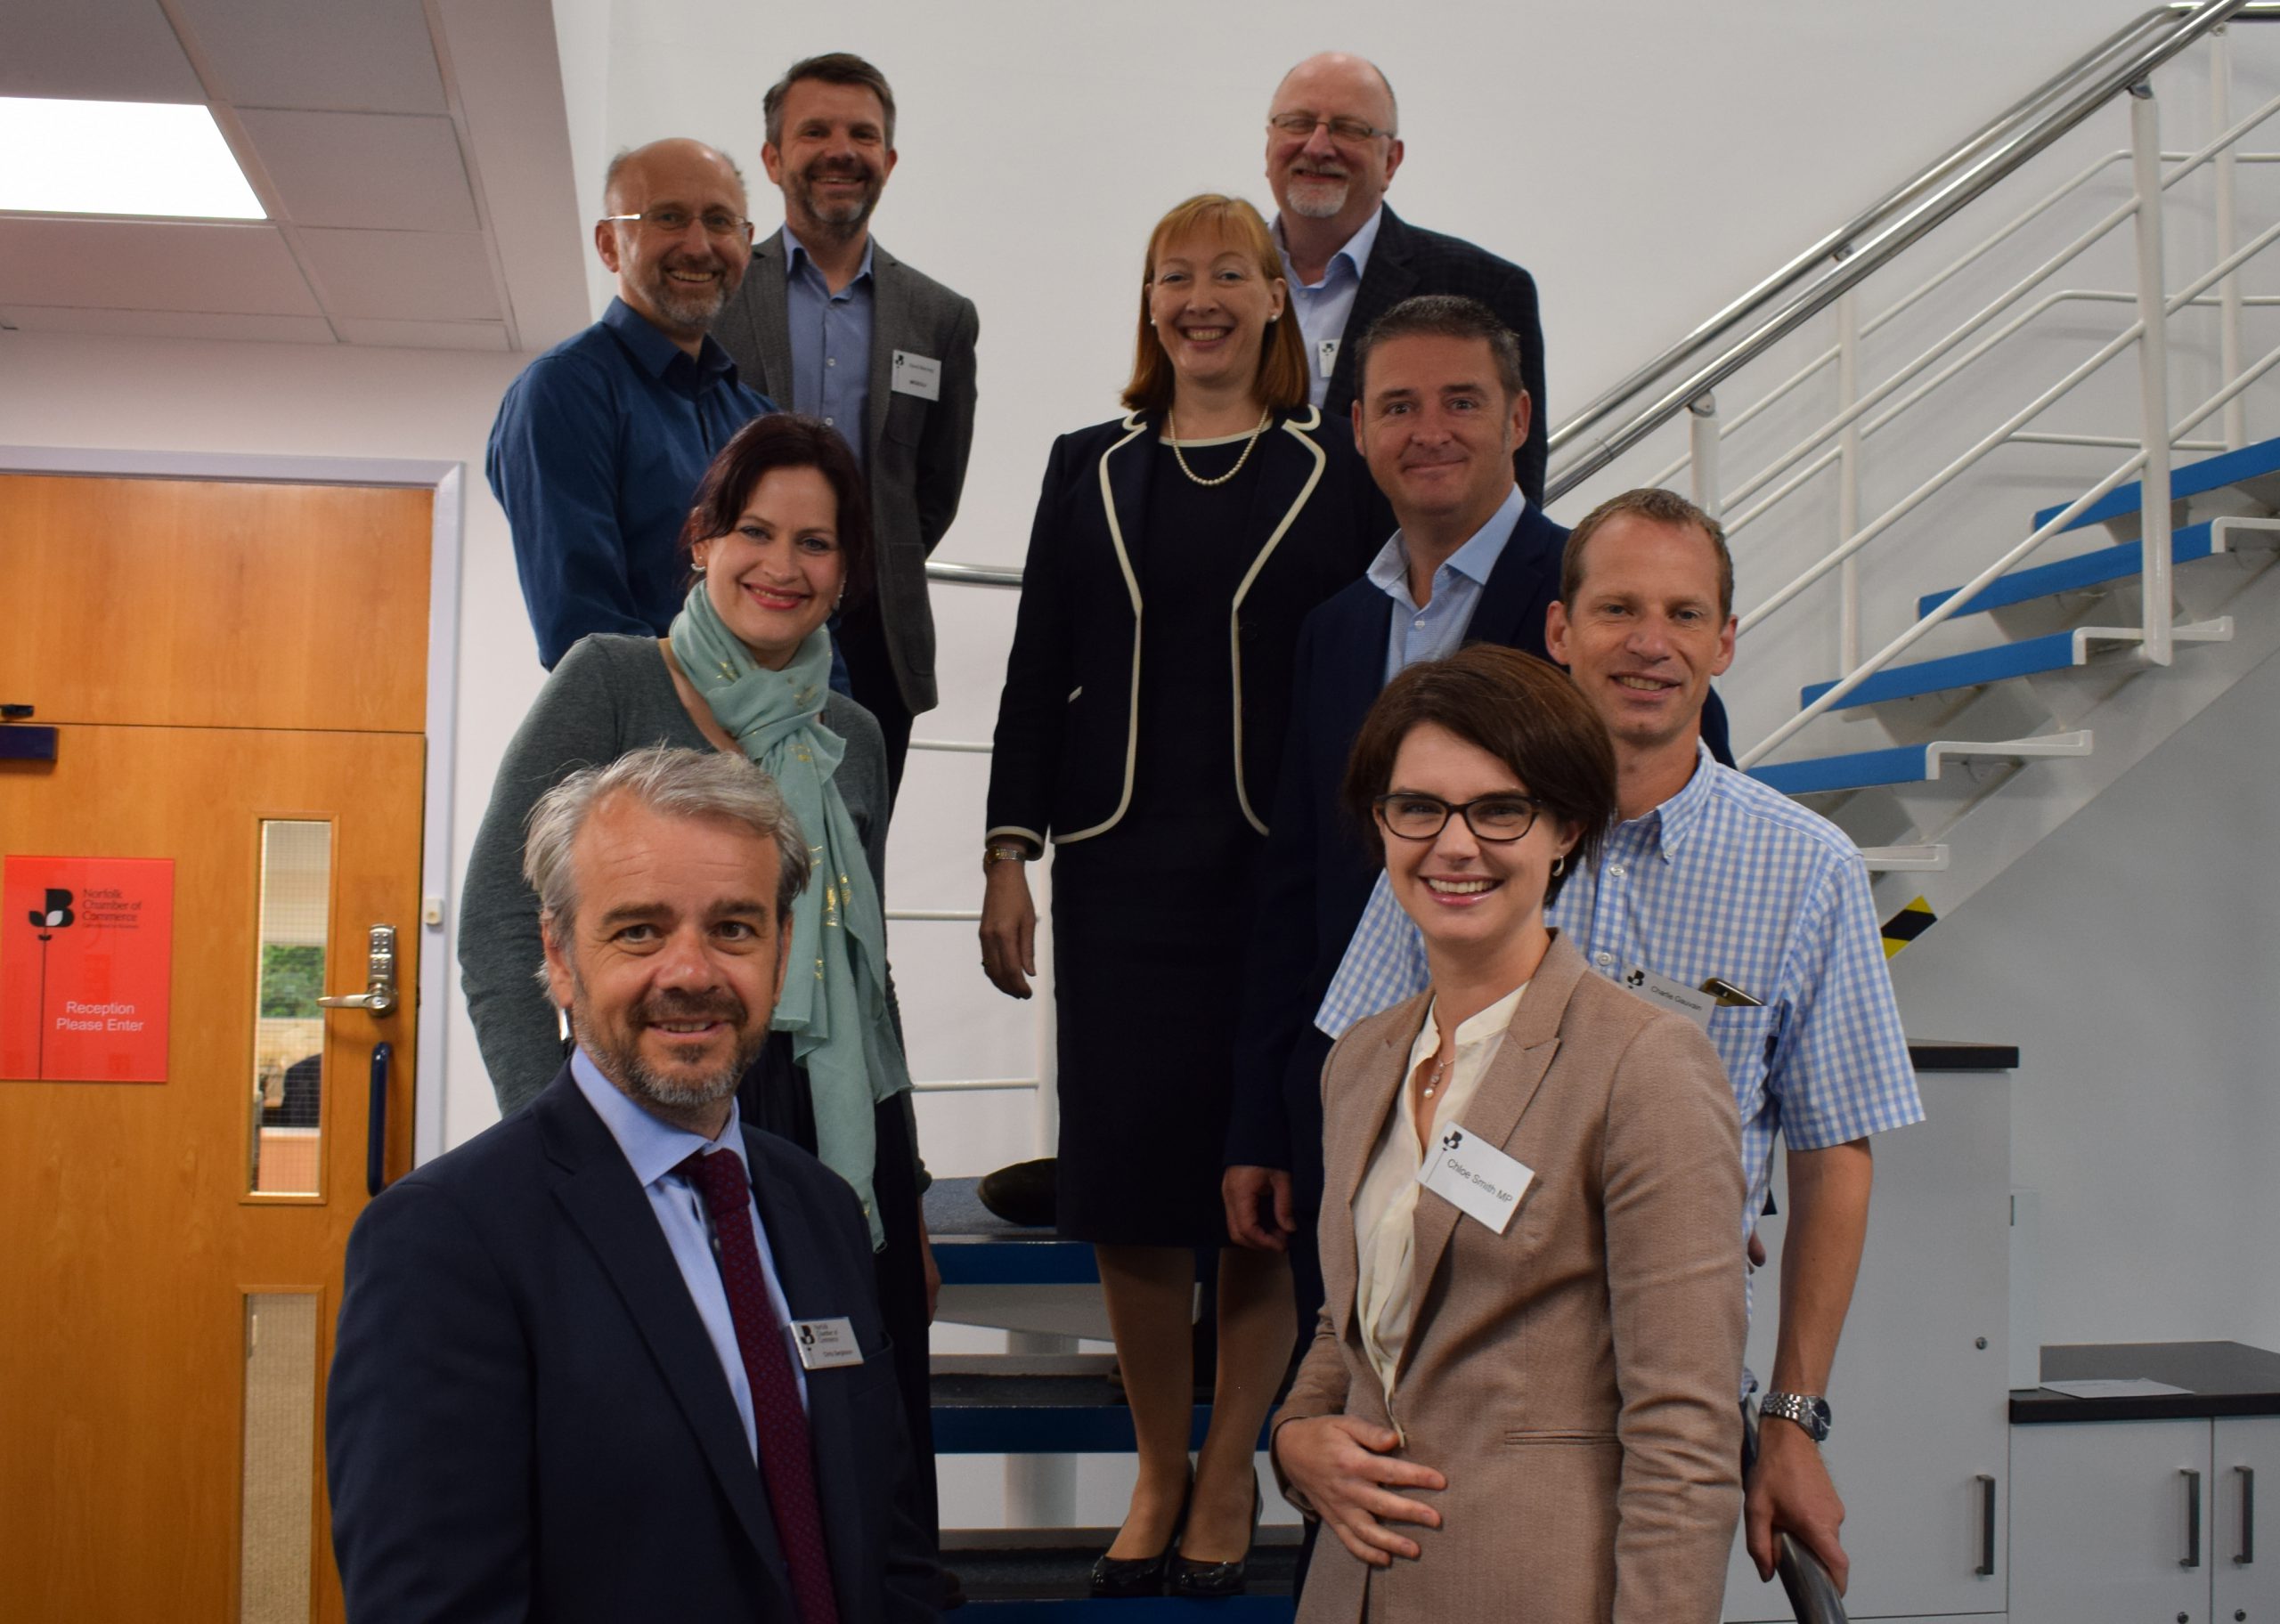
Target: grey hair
<point x="626" y="155"/>
<point x="672" y="779"/>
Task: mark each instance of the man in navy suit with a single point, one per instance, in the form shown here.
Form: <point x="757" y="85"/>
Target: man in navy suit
<point x="619" y="1357"/>
<point x="1441" y="408"/>
<point x="1332" y="148"/>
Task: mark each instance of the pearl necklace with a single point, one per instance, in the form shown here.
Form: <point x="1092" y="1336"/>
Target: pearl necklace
<point x="1440" y="1071"/>
<point x="1172" y="423"/>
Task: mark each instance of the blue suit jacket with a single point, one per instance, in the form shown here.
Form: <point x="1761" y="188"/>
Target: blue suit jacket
<point x="1318" y="869"/>
<point x="527" y="1421"/>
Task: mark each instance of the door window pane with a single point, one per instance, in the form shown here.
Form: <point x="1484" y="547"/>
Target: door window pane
<point x="288" y="1027"/>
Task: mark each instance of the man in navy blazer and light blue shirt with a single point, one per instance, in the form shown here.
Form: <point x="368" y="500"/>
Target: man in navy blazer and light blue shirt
<point x="1439" y="410"/>
<point x="565" y="1385"/>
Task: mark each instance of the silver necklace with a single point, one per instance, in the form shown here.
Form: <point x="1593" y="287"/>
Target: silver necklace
<point x="1173" y="424"/>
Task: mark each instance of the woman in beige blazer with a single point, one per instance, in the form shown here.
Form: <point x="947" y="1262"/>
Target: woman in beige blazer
<point x="1521" y="1398"/>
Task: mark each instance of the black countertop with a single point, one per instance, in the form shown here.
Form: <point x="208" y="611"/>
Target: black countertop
<point x="2221" y="1378"/>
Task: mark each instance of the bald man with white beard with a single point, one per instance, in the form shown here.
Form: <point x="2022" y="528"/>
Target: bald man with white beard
<point x="1333" y="146"/>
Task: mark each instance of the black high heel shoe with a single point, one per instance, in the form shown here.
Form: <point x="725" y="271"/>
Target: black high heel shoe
<point x="1118" y="1578"/>
<point x="1205" y="1580"/>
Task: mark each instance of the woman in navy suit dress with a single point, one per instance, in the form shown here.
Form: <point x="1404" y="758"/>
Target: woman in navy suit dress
<point x="1174" y="553"/>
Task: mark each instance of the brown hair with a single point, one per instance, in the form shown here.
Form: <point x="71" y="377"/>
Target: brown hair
<point x="784" y="439"/>
<point x="1282" y="381"/>
<point x="833" y="68"/>
<point x="1657" y="507"/>
<point x="1520" y="710"/>
<point x="1445" y="315"/>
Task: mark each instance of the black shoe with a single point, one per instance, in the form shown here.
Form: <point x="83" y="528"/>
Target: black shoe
<point x="1118" y="1578"/>
<point x="1205" y="1580"/>
<point x="953" y="1591"/>
<point x="1021" y="1194"/>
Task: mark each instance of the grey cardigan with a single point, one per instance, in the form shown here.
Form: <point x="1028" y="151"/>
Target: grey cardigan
<point x="610" y="694"/>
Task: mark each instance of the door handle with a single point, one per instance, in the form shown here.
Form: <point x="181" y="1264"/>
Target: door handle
<point x="1986" y="1568"/>
<point x="2247" y="1552"/>
<point x="2192" y="1557"/>
<point x="376" y="1126"/>
<point x="378" y="996"/>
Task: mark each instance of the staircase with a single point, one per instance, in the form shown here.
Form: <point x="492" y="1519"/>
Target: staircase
<point x="1039" y="1404"/>
<point x="1995" y="745"/>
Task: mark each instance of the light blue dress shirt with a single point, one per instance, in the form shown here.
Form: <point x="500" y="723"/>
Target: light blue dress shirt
<point x="654" y="1149"/>
<point x="831" y="341"/>
<point x="1324" y="306"/>
<point x="1436" y="630"/>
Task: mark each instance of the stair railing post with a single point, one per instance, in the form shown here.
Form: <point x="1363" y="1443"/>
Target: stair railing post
<point x="1702" y="448"/>
<point x="1848" y="475"/>
<point x="2228" y="291"/>
<point x="2153" y="371"/>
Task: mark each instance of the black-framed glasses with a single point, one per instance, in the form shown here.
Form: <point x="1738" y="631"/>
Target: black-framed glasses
<point x="1498" y="818"/>
<point x="1353" y="132"/>
<point x="673" y="222"/>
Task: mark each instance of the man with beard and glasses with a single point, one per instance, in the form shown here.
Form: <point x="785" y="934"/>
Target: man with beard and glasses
<point x="600" y="444"/>
<point x="620" y="1356"/>
<point x="1332" y="150"/>
<point x="831" y="321"/>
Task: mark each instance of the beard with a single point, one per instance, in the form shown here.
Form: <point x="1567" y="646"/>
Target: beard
<point x="842" y="216"/>
<point x="617" y="1053"/>
<point x="1317" y="196"/>
<point x="695" y="308"/>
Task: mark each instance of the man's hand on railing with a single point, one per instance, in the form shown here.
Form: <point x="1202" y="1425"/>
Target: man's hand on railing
<point x="1258" y="1200"/>
<point x="1008" y="928"/>
<point x="1789" y="1493"/>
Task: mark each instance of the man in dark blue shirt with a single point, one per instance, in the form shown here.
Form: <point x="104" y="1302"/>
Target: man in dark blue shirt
<point x="600" y="443"/>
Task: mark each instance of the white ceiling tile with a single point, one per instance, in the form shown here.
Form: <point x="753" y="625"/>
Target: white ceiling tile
<point x="169" y="324"/>
<point x="379" y="171"/>
<point x="410" y="276"/>
<point x="141" y="265"/>
<point x="94" y="50"/>
<point x="373" y="56"/>
<point x="424" y="335"/>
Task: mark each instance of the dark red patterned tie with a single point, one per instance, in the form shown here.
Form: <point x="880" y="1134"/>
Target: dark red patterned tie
<point x="786" y="1464"/>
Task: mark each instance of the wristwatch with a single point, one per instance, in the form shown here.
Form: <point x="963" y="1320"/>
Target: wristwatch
<point x="1807" y="1411"/>
<point x="1004" y="852"/>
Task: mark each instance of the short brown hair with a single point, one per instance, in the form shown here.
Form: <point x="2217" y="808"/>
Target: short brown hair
<point x="1445" y="315"/>
<point x="1658" y="507"/>
<point x="833" y="68"/>
<point x="784" y="439"/>
<point x="1520" y="710"/>
<point x="1282" y="381"/>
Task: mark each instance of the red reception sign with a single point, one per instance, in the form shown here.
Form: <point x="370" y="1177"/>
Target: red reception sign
<point x="86" y="964"/>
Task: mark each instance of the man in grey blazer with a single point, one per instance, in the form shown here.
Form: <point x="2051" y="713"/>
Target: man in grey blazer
<point x="830" y="323"/>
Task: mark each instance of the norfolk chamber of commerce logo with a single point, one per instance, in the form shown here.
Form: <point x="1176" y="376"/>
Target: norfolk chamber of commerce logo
<point x="53" y="914"/>
<point x="56" y="915"/>
<point x="1451" y="1139"/>
<point x="1636" y="979"/>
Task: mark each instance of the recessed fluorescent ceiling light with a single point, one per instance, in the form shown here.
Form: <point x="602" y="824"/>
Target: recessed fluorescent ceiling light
<point x="119" y="157"/>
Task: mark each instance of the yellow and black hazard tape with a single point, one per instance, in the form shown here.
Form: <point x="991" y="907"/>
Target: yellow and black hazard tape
<point x="1905" y="926"/>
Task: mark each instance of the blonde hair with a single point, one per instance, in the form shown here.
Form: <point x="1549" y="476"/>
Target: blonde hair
<point x="1282" y="381"/>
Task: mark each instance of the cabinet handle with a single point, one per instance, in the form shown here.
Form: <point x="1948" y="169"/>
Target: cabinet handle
<point x="2192" y="1557"/>
<point x="2247" y="1516"/>
<point x="1986" y="1568"/>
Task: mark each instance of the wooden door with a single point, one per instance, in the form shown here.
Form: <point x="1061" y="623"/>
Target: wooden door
<point x="237" y="674"/>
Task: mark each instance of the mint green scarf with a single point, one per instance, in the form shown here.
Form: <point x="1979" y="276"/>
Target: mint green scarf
<point x="835" y="998"/>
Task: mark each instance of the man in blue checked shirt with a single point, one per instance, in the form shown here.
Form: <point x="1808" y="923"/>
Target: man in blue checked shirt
<point x="1717" y="896"/>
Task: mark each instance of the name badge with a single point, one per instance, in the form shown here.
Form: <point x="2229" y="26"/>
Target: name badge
<point x="824" y="1344"/>
<point x="1326" y="356"/>
<point x="1663" y="993"/>
<point x="916" y="374"/>
<point x="1475" y="1177"/>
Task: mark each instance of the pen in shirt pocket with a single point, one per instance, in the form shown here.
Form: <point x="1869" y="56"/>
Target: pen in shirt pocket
<point x="1731" y="996"/>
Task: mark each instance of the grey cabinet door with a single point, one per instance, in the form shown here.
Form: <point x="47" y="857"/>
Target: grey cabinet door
<point x="2244" y="1521"/>
<point x="2104" y="1526"/>
<point x="1920" y="1387"/>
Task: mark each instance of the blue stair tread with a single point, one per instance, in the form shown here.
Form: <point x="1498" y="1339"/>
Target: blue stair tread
<point x="1032" y="1581"/>
<point x="973" y="1246"/>
<point x="2186" y="479"/>
<point x="1033" y="1415"/>
<point x="2054" y="652"/>
<point x="2091" y="569"/>
<point x="1861" y="769"/>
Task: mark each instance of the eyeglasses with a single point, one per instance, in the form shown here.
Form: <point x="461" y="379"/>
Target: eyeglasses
<point x="1353" y="132"/>
<point x="1499" y="819"/>
<point x="673" y="222"/>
